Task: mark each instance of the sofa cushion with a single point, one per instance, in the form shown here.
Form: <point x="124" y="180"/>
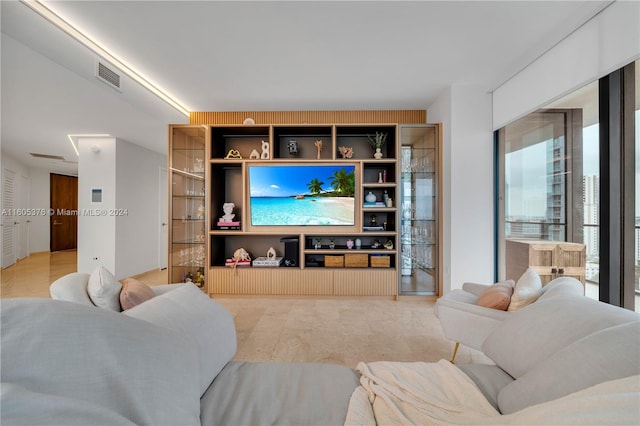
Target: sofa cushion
<point x="267" y="393"/>
<point x="104" y="289"/>
<point x="71" y="287"/>
<point x="195" y="315"/>
<point x="497" y="296"/>
<point x="566" y="286"/>
<point x="534" y="333"/>
<point x="101" y="365"/>
<point x="490" y="379"/>
<point x="133" y="293"/>
<point x="608" y="354"/>
<point x="527" y="290"/>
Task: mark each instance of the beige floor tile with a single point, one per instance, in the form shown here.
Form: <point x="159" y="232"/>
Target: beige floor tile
<point x="306" y="329"/>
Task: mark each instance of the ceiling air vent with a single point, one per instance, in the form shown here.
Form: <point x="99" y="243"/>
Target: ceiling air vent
<point x="107" y="75"/>
<point x="47" y="156"/>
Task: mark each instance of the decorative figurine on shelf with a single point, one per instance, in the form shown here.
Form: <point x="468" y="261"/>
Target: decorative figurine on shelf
<point x="318" y="145"/>
<point x="376" y="244"/>
<point x="377" y="142"/>
<point x="332" y="243"/>
<point x="346" y="152"/>
<point x="293" y="148"/>
<point x="199" y="279"/>
<point x="198" y="165"/>
<point x="201" y="211"/>
<point x="373" y="220"/>
<point x="271" y="253"/>
<point x="318" y="243"/>
<point x="349" y="243"/>
<point x="380" y="178"/>
<point x="240" y="255"/>
<point x="370" y="197"/>
<point x="388" y="245"/>
<point x="255" y="155"/>
<point x="228" y="213"/>
<point x="233" y="154"/>
<point x="265" y="150"/>
<point x="358" y="243"/>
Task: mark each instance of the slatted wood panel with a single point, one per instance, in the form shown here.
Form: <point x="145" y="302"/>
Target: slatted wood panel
<point x="365" y="282"/>
<point x="269" y="281"/>
<point x="310" y="117"/>
<point x="294" y="281"/>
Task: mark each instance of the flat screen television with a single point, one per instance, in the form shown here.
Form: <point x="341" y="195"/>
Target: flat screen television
<point x="303" y="194"/>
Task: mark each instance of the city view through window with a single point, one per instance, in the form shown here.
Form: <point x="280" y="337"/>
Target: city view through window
<point x="535" y="191"/>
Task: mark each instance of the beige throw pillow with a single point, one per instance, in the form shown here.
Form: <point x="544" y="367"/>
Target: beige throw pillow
<point x="104" y="289"/>
<point x="527" y="290"/>
<point x="133" y="293"/>
<point x="497" y="296"/>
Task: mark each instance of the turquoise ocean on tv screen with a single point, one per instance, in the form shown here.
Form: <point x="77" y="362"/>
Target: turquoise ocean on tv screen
<point x="268" y="211"/>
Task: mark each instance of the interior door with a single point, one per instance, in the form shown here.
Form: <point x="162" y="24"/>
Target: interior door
<point x="23" y="220"/>
<point x="64" y="217"/>
<point x="8" y="218"/>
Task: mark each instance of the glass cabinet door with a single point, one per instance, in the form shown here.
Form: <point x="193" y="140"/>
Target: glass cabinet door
<point x="418" y="210"/>
<point x="188" y="213"/>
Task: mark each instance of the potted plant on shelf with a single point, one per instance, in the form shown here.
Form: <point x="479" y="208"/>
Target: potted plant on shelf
<point x="377" y="142"/>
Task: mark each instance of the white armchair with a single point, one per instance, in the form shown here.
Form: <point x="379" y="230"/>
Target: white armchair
<point x="463" y="321"/>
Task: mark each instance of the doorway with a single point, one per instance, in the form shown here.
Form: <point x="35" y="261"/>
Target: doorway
<point x="63" y="224"/>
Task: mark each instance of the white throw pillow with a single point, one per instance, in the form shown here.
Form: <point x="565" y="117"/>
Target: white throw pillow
<point x="104" y="289"/>
<point x="527" y="290"/>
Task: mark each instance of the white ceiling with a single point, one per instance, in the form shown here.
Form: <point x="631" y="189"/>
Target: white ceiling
<point x="236" y="56"/>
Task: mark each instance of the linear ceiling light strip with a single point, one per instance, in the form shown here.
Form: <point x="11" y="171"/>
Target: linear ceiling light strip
<point x="56" y="20"/>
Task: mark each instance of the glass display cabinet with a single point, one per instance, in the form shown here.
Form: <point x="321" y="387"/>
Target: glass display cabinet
<point x="187" y="204"/>
<point x="419" y="210"/>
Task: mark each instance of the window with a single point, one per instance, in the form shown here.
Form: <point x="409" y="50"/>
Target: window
<point x="549" y="179"/>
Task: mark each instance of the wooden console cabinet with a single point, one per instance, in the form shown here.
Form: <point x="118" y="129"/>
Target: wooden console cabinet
<point x="550" y="259"/>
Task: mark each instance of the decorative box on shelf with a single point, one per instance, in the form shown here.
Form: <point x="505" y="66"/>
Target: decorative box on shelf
<point x="334" y="261"/>
<point x="380" y="261"/>
<point x="356" y="260"/>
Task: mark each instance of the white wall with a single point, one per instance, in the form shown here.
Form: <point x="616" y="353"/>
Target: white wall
<point x="468" y="213"/>
<point x="607" y="42"/>
<point x="137" y="192"/>
<point x="96" y="233"/>
<point x="124" y="239"/>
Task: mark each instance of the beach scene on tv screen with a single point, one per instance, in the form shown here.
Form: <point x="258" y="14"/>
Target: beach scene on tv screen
<point x="284" y="195"/>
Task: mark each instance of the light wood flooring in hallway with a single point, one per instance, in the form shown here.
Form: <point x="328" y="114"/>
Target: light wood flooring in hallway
<point x="291" y="329"/>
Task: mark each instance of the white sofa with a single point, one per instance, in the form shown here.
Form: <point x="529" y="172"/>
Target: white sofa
<point x="168" y="361"/>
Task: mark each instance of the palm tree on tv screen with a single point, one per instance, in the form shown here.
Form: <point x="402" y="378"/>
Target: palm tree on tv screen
<point x="343" y="183"/>
<point x="315" y="186"/>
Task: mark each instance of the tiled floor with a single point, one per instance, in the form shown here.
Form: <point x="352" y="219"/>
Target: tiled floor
<point x="299" y="329"/>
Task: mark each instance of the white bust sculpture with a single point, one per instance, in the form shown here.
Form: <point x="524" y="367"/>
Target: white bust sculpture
<point x="228" y="215"/>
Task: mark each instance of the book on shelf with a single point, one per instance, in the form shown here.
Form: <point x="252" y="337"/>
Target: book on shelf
<point x="373" y="228"/>
<point x="234" y="223"/>
<point x="231" y="262"/>
<point x="373" y="204"/>
<point x="267" y="261"/>
<point x="226" y="228"/>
